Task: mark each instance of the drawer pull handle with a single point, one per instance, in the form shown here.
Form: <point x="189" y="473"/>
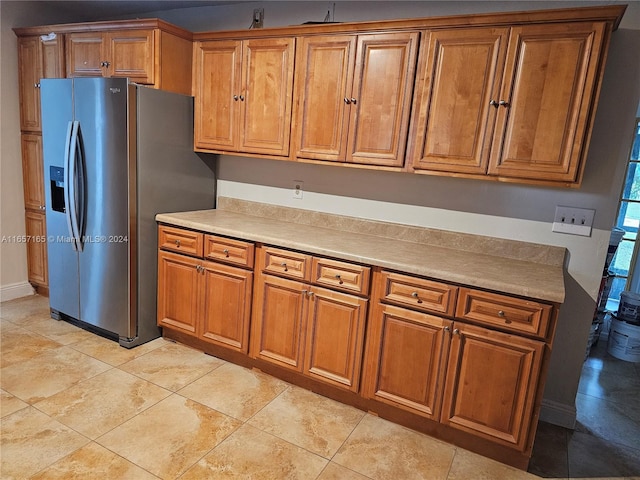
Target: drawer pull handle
<point x="501" y="313"/>
<point x="415" y="295"/>
<point x="178" y="243"/>
<point x="284" y="265"/>
<point x="226" y="252"/>
<point x="339" y="278"/>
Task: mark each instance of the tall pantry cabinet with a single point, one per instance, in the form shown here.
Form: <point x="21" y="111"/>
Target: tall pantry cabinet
<point x="38" y="57"/>
<point x="151" y="52"/>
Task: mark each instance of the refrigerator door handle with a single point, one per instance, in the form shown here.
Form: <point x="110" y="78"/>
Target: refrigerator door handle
<point x="72" y="186"/>
<point x="67" y="185"/>
<point x="79" y="189"/>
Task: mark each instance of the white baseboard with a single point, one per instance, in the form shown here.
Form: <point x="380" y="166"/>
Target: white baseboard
<point x="558" y="414"/>
<point x="15" y="290"/>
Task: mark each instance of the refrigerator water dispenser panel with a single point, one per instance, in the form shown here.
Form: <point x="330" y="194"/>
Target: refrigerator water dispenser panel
<point x="56" y="174"/>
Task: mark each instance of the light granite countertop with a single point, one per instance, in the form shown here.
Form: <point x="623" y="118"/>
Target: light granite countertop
<point x="541" y="278"/>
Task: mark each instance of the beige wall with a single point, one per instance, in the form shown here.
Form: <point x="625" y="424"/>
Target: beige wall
<point x="509" y="211"/>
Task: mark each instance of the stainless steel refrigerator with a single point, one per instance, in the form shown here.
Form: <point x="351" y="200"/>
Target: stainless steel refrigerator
<point x="115" y="154"/>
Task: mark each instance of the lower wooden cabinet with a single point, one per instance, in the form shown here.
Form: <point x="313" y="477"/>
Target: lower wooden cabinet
<point x="461" y="363"/>
<point x="178" y="292"/>
<point x="204" y="299"/>
<point x="309" y="329"/>
<point x="36" y="229"/>
<point x="467" y="377"/>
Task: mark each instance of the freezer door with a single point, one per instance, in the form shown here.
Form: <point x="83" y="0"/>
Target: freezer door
<point x="101" y="106"/>
<point x="57" y="116"/>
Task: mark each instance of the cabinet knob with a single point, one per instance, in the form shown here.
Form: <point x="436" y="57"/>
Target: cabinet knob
<point x="456" y="331"/>
<point x="284" y="265"/>
<point x="178" y="243"/>
<point x="347" y="101"/>
<point x="416" y="296"/>
<point x="500" y="313"/>
<point x="43" y="207"/>
<point x="235" y="98"/>
<point x="339" y="278"/>
<point x="242" y="98"/>
<point x="226" y="252"/>
<point x="311" y="294"/>
<point x="353" y="100"/>
<point x="36" y="85"/>
<point x="447" y="329"/>
<point x="503" y="103"/>
<point x="493" y="103"/>
<point x="105" y="64"/>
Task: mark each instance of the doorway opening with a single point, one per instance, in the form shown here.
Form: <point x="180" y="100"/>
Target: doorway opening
<point x="624" y="267"/>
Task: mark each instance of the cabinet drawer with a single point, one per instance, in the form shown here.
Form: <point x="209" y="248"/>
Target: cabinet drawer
<point x="508" y="313"/>
<point x="287" y="263"/>
<point x="419" y="293"/>
<point x="180" y="240"/>
<point x="342" y="275"/>
<point x="228" y="250"/>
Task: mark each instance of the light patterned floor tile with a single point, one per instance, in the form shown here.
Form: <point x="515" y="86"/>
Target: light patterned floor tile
<point x="333" y="471"/>
<point x="169" y="437"/>
<point x="57" y="330"/>
<point x="112" y="353"/>
<point x="253" y="454"/>
<point x="308" y="420"/>
<point x="31" y="441"/>
<point x="18" y="345"/>
<point x="234" y="390"/>
<point x="49" y="373"/>
<point x="92" y="462"/>
<point x="172" y="366"/>
<point x="467" y="465"/>
<point x="24" y="307"/>
<point x="10" y="403"/>
<point x="383" y="450"/>
<point x="101" y="403"/>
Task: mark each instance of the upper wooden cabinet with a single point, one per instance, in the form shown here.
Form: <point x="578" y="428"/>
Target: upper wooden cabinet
<point x="460" y="74"/>
<point x="112" y="54"/>
<point x="243" y="93"/>
<point x="503" y="96"/>
<point x="511" y="102"/>
<point x="546" y="100"/>
<point x="38" y="57"/>
<point x="150" y="52"/>
<point x="353" y="97"/>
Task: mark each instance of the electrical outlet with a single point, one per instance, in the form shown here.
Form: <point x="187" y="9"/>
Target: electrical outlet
<point x="258" y="18"/>
<point x="575" y="221"/>
<point x="297" y="189"/>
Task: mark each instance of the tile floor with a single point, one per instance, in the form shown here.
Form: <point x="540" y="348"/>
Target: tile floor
<point x="77" y="406"/>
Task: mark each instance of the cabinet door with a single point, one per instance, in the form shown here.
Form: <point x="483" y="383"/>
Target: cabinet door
<point x="265" y="99"/>
<point x="278" y="321"/>
<point x="227" y="306"/>
<point x="217" y="94"/>
<point x="131" y="54"/>
<point x="459" y="74"/>
<point x="36" y="231"/>
<point x="549" y="90"/>
<point x="324" y="75"/>
<point x="491" y="384"/>
<point x="381" y="98"/>
<point x="32" y="172"/>
<point x="405" y="361"/>
<point x="178" y="288"/>
<point x="335" y="334"/>
<point x="30" y="73"/>
<point x="84" y="54"/>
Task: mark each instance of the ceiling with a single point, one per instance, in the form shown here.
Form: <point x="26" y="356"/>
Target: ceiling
<point x="115" y="8"/>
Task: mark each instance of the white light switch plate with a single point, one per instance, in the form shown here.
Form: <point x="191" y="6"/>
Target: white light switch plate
<point x="575" y="221"/>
